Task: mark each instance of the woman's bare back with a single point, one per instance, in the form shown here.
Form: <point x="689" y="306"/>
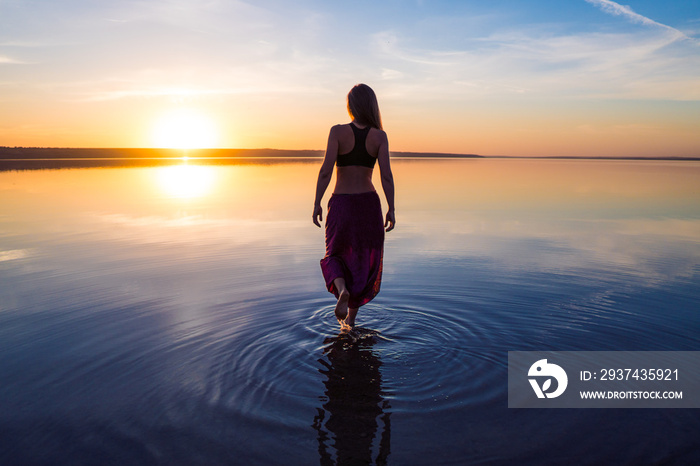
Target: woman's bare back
<point x="355" y="179"/>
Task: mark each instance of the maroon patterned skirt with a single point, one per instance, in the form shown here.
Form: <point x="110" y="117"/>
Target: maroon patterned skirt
<point x="354" y="245"/>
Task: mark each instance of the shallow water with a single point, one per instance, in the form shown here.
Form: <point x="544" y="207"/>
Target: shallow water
<point x="177" y="315"/>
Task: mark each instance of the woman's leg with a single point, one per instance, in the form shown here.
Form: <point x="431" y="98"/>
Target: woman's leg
<point x="341" y="307"/>
<point x="350" y="319"/>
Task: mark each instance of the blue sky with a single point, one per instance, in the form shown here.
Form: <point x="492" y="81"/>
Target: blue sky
<point x="519" y="77"/>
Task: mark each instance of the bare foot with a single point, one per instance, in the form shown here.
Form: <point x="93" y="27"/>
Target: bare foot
<point x="349" y="333"/>
<point x="341" y="307"/>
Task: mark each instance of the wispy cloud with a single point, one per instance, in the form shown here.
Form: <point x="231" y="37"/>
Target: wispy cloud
<point x="184" y="93"/>
<point x="625" y="11"/>
<point x="5" y="60"/>
<point x="176" y="84"/>
<point x="655" y="62"/>
<point x="389" y="43"/>
<point x="21" y="43"/>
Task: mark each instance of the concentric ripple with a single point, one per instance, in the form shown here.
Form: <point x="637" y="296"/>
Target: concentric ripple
<point x="426" y="358"/>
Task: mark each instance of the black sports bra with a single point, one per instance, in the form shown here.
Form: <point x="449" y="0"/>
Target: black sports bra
<point x="358" y="155"/>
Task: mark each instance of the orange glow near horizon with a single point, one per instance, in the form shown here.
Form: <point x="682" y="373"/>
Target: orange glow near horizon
<point x="242" y="123"/>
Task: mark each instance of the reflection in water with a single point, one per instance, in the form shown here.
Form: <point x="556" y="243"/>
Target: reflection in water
<point x="353" y="401"/>
<point x="186" y="181"/>
<point x="137" y="323"/>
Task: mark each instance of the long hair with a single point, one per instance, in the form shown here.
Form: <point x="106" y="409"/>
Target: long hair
<point x="363" y="106"/>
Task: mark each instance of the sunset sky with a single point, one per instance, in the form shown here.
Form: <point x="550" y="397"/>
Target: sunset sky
<point x="502" y="77"/>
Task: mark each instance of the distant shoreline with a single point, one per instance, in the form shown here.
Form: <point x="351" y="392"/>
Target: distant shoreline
<point x="19" y="154"/>
<point x="30" y="153"/>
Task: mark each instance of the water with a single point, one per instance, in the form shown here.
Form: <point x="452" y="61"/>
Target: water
<point x="177" y="315"/>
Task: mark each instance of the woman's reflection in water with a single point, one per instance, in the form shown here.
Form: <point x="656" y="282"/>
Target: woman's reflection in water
<point x="354" y="405"/>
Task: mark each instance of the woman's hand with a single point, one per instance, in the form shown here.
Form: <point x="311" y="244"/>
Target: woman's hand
<point x="318" y="215"/>
<point x="390" y="220"/>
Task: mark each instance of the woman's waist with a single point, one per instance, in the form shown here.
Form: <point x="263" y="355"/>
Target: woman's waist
<point x="369" y="193"/>
<point x="356" y="187"/>
<point x="354" y="190"/>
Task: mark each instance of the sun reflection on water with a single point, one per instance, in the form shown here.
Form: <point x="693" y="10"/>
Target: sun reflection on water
<point x="186" y="181"/>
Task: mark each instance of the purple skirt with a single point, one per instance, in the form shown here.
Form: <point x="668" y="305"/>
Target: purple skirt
<point x="354" y="245"/>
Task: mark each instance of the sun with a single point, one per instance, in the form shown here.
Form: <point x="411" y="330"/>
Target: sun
<point x="184" y="129"/>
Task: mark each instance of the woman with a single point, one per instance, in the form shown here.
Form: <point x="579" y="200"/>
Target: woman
<point x="352" y="266"/>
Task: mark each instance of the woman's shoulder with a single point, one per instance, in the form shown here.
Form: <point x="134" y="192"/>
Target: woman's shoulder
<point x="340" y="128"/>
<point x="378" y="134"/>
<point x="341" y="131"/>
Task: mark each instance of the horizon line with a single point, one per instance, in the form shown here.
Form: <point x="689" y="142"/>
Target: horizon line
<point x="317" y="153"/>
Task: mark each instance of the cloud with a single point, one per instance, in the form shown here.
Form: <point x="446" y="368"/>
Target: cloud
<point x="389" y="43"/>
<point x="5" y="60"/>
<point x="20" y="43"/>
<point x="627" y="12"/>
<point x="391" y="74"/>
<point x="646" y="63"/>
<point x="137" y="87"/>
<point x="623" y="10"/>
<point x="97" y="94"/>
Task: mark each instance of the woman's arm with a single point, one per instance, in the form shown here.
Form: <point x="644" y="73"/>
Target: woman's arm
<point x="325" y="174"/>
<point x="387" y="180"/>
